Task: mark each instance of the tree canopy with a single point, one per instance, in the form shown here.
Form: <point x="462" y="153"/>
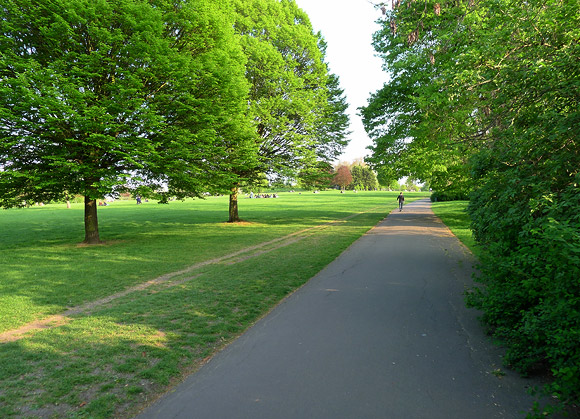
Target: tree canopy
<point x="106" y="96"/>
<point x="343" y="177"/>
<point x="99" y="95"/>
<point x="484" y="97"/>
<point x="363" y="178"/>
<point x="297" y="107"/>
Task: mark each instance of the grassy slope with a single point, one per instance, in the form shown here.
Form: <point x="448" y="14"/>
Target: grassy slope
<point x="110" y="361"/>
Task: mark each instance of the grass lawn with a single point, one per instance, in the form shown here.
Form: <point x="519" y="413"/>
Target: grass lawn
<point x="110" y="359"/>
<point x="454" y="215"/>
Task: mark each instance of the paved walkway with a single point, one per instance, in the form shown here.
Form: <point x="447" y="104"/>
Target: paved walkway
<point x="382" y="332"/>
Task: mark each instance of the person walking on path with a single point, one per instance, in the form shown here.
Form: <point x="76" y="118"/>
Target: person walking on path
<point x="401" y="200"/>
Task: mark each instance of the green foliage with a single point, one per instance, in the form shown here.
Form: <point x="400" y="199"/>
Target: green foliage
<point x="531" y="271"/>
<point x="392" y="185"/>
<point x="75" y="98"/>
<point x="289" y="97"/>
<point x="211" y="140"/>
<point x="483" y="103"/>
<point x="526" y="211"/>
<point x="420" y="126"/>
<point x="363" y="178"/>
<point x="449" y="196"/>
<point x="333" y="122"/>
<point x="297" y="108"/>
<point x="318" y="177"/>
<point x="150" y="96"/>
<point x="104" y="96"/>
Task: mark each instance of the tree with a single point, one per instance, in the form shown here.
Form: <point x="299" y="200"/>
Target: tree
<point x="343" y="177"/>
<point x="484" y="98"/>
<point x="292" y="101"/>
<point x="332" y="125"/>
<point x="331" y="136"/>
<point x="100" y="96"/>
<point x="394" y="185"/>
<point x="223" y="90"/>
<point x="356" y="172"/>
<point x="410" y="185"/>
<point x="318" y="177"/>
<point x="370" y="181"/>
<point x="363" y="177"/>
<point x="420" y="125"/>
<point x="524" y="208"/>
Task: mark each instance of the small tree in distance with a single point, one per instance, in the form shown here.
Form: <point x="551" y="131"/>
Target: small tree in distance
<point x="343" y="177"/>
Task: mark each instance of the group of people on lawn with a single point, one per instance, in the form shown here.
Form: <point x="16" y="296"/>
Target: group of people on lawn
<point x="264" y="195"/>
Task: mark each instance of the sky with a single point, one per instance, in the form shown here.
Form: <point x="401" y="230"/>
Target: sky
<point x="348" y="26"/>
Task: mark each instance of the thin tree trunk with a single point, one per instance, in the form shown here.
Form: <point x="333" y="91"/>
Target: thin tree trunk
<point x="91" y="222"/>
<point x="234" y="217"/>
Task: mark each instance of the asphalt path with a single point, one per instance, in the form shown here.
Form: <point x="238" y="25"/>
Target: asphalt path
<point x="382" y="332"/>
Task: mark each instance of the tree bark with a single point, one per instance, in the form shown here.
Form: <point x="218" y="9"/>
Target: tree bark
<point x="234" y="217"/>
<point x="91" y="222"/>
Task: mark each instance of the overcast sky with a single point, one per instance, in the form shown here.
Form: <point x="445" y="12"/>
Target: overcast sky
<point x="347" y="27"/>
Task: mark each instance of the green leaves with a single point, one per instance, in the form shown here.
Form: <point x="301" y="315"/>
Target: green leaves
<point x="289" y="98"/>
<point x="106" y="91"/>
<point x="484" y="96"/>
<point x="188" y="97"/>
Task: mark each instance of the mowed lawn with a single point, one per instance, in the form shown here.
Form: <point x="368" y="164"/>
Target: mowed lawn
<point x="112" y="358"/>
<point x="454" y="215"/>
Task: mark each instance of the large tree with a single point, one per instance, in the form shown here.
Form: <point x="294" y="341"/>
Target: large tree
<point x="211" y="139"/>
<point x="420" y="124"/>
<point x="331" y="135"/>
<point x="100" y="95"/>
<point x="292" y="98"/>
<point x="363" y="177"/>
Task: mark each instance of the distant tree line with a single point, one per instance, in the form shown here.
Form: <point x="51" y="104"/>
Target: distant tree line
<point x="483" y="101"/>
<point x="169" y="98"/>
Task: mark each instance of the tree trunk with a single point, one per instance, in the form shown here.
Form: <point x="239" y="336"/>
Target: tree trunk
<point x="68" y="204"/>
<point x="234" y="217"/>
<point x="91" y="222"/>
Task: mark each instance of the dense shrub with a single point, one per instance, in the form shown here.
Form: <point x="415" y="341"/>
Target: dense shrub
<point x="528" y="220"/>
<point x="485" y="95"/>
<point x="440" y="196"/>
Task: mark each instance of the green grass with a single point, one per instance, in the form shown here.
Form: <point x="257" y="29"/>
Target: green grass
<point x="454" y="215"/>
<point x="108" y="362"/>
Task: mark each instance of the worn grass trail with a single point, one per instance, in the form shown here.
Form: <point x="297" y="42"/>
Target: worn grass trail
<point x="167" y="280"/>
